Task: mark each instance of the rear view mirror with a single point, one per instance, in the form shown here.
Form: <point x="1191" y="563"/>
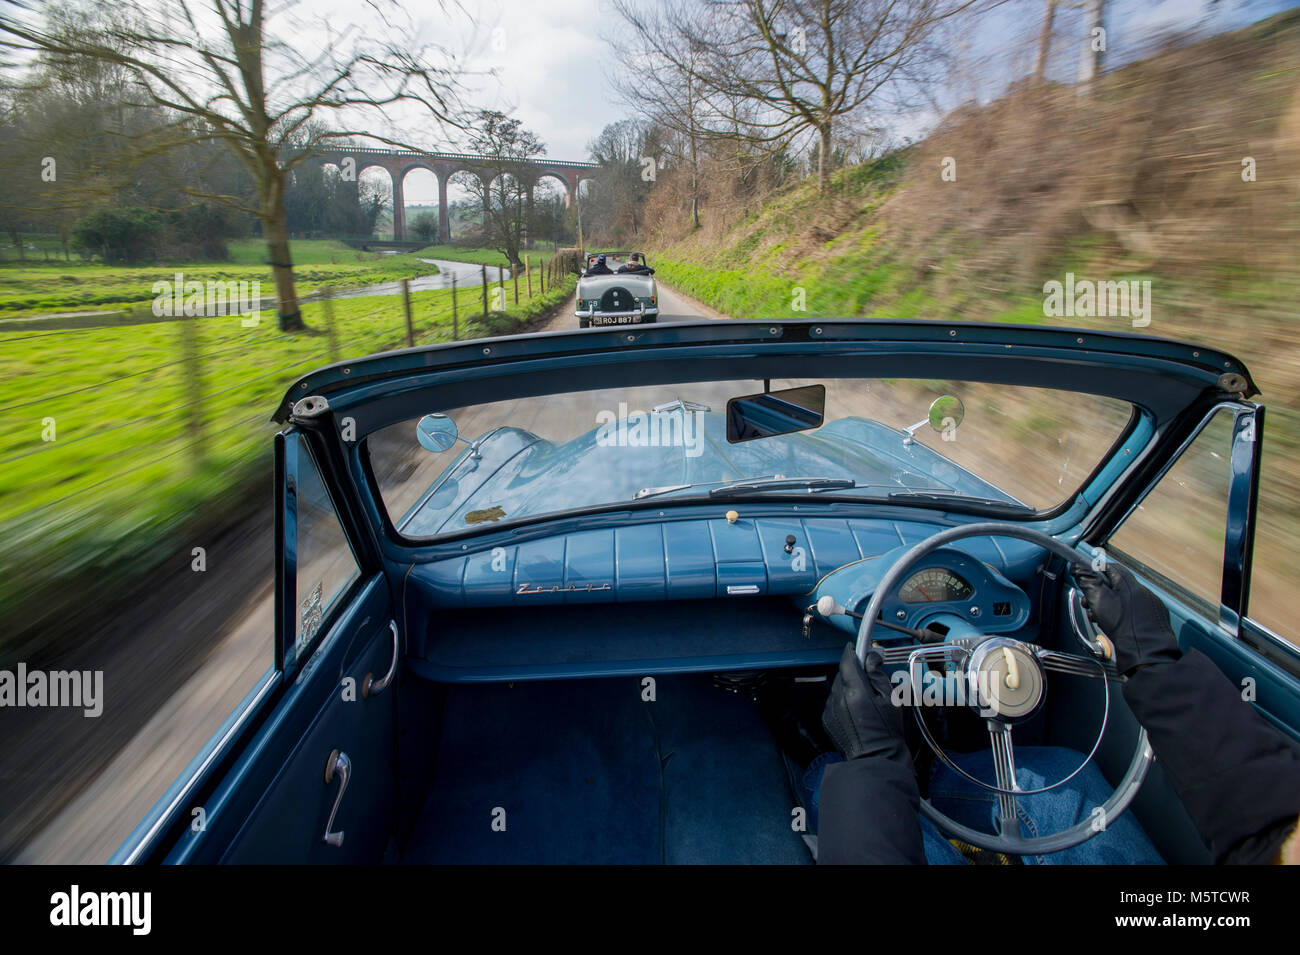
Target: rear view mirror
<point x="775" y="412"/>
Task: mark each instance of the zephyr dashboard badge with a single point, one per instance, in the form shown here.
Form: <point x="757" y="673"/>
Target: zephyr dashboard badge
<point x="571" y="589"/>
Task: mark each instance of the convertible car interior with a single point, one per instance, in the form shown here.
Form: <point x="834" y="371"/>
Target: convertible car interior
<point x="580" y="597"/>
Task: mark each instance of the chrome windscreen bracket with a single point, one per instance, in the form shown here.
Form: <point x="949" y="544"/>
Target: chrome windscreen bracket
<point x="313" y="406"/>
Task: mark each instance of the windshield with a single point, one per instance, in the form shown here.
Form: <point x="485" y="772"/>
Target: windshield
<point x="488" y="464"/>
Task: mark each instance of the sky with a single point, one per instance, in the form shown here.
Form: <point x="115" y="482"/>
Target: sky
<point x="547" y="61"/>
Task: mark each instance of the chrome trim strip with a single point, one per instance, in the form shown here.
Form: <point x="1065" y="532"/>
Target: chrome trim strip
<point x="268" y="681"/>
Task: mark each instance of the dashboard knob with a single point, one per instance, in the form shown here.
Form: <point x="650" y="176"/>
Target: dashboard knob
<point x="732" y="517"/>
<point x="826" y="606"/>
<point x="789" y="543"/>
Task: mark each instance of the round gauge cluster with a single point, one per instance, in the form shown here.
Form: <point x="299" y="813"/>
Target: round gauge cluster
<point x="934" y="585"/>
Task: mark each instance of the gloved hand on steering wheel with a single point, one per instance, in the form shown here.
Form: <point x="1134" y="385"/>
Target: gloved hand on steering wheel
<point x="859" y="715"/>
<point x="1134" y="619"/>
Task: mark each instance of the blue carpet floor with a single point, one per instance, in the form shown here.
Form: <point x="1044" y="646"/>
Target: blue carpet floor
<point x="585" y="771"/>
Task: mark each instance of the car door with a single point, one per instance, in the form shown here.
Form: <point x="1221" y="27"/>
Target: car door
<point x="304" y="771"/>
<point x="1190" y="535"/>
<point x="1185" y="528"/>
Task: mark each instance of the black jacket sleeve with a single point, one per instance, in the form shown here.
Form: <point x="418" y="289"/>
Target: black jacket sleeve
<point x="1238" y="777"/>
<point x="867" y="814"/>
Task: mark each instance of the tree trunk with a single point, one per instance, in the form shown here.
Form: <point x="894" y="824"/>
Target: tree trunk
<point x="1090" y="62"/>
<point x="528" y="217"/>
<point x="695" y="186"/>
<point x="1044" y="41"/>
<point x="824" y="161"/>
<point x="288" y="314"/>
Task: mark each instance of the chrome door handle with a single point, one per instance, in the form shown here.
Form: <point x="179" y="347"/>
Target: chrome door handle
<point x="372" y="687"/>
<point x="337" y="765"/>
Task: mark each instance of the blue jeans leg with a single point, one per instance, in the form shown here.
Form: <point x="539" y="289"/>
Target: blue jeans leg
<point x="1121" y="841"/>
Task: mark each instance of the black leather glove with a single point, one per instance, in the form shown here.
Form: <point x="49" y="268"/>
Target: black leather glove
<point x="859" y="716"/>
<point x="1132" y="616"/>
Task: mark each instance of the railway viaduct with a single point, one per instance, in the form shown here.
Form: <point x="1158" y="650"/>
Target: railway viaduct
<point x="397" y="163"/>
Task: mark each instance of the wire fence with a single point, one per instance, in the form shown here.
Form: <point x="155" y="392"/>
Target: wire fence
<point x="186" y="427"/>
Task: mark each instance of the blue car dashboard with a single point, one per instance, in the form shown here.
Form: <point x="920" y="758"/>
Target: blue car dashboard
<point x="683" y="593"/>
<point x="722" y="558"/>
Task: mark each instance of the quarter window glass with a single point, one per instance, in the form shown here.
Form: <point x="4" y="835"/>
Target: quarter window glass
<point x="1178" y="531"/>
<point x="1274" y="578"/>
<point x="326" y="565"/>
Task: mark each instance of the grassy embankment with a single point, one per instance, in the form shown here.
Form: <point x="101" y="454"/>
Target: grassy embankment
<point x="149" y="442"/>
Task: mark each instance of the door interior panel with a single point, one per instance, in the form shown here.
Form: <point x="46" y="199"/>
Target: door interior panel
<point x="272" y="807"/>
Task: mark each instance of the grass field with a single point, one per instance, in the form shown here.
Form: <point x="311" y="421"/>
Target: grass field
<point x="483" y="256"/>
<point x="56" y="286"/>
<point x="113" y="440"/>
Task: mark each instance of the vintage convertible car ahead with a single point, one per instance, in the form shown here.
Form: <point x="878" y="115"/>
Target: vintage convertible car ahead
<point x="624" y="298"/>
<point x="578" y="597"/>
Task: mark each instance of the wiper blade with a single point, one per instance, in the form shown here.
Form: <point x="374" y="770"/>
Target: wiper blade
<point x="810" y="485"/>
<point x="966" y="500"/>
<point x="652" y="491"/>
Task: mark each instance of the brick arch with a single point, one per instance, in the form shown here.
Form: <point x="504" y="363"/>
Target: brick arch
<point x="397" y="163"/>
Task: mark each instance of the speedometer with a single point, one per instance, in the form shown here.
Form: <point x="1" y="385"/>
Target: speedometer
<point x="934" y="585"/>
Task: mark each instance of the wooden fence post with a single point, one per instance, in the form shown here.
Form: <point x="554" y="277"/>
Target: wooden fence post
<point x="528" y="275"/>
<point x="515" y="278"/>
<point x="485" y="312"/>
<point x="455" y="330"/>
<point x="331" y="330"/>
<point x="406" y="304"/>
<point x="192" y="369"/>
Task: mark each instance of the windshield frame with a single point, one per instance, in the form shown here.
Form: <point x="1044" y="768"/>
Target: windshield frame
<point x="1158" y="377"/>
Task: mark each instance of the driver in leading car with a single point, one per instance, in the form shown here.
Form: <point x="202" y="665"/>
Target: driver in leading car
<point x="1237" y="776"/>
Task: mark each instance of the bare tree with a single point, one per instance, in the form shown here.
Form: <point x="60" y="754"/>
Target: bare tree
<point x="771" y="72"/>
<point x="658" y="77"/>
<point x="502" y="181"/>
<point x="222" y="70"/>
<point x="628" y="152"/>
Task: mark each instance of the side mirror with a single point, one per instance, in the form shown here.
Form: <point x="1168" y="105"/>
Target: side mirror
<point x="436" y="432"/>
<point x="946" y="411"/>
<point x="775" y="412"/>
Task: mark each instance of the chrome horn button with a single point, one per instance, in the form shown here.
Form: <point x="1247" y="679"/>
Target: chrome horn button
<point x="1006" y="680"/>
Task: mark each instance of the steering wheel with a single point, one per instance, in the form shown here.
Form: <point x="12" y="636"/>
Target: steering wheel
<point x="1007" y="681"/>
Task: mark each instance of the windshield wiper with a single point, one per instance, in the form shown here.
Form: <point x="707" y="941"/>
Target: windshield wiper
<point x="760" y="485"/>
<point x="652" y="491"/>
<point x="961" y="500"/>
